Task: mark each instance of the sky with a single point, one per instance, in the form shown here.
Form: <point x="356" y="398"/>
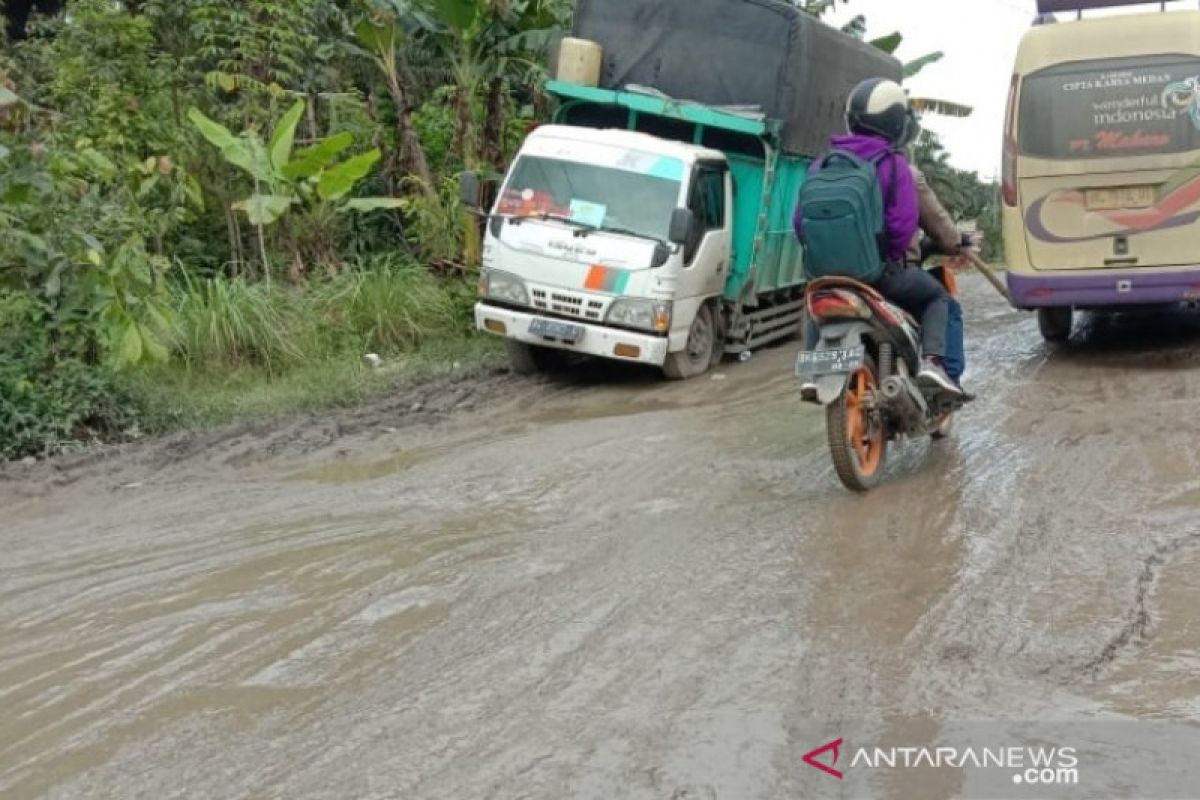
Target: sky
<point x="980" y="39"/>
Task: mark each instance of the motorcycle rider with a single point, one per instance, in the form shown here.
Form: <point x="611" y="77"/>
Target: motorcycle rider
<point x="881" y="123"/>
<point x="937" y="224"/>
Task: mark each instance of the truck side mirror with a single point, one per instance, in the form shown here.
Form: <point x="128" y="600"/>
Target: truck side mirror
<point x="683" y="225"/>
<point x="468" y="189"/>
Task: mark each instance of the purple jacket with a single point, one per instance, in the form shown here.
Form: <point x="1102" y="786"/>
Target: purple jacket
<point x="903" y="213"/>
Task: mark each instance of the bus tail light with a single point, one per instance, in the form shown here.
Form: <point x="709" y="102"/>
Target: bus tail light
<point x="1009" y="162"/>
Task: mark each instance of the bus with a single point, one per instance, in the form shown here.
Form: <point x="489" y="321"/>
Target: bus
<point x="1101" y="176"/>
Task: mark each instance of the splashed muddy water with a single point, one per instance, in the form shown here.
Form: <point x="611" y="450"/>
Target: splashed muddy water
<point x="604" y="585"/>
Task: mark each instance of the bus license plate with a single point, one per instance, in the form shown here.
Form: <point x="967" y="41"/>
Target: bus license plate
<point x="1119" y="198"/>
<point x="812" y="364"/>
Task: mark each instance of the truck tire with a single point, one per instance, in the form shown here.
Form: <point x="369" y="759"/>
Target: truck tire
<point x="701" y="350"/>
<point x="529" y="359"/>
<point x="1055" y="323"/>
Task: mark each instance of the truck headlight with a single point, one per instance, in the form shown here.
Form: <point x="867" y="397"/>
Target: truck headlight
<point x="502" y="286"/>
<point x="647" y="315"/>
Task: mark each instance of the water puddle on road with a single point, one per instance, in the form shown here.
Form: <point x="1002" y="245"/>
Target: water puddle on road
<point x="559" y="414"/>
<point x="346" y="472"/>
<point x="355" y="472"/>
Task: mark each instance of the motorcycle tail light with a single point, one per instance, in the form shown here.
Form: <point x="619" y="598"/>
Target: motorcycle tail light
<point x="838" y="304"/>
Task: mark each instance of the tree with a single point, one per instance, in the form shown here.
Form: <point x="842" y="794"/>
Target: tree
<point x="18" y="13"/>
<point x="382" y="34"/>
<point x="485" y="44"/>
<point x="964" y="195"/>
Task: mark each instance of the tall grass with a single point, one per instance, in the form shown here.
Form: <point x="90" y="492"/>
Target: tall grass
<point x="384" y="306"/>
<point x="223" y="322"/>
<point x="392" y="307"/>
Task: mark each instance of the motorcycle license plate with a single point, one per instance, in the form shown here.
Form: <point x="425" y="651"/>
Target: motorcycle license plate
<point x="813" y="364"/>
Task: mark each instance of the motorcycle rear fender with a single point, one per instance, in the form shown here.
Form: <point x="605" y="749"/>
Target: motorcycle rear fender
<point x="835" y="336"/>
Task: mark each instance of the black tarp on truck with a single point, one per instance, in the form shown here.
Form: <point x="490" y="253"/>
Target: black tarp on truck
<point x="761" y="53"/>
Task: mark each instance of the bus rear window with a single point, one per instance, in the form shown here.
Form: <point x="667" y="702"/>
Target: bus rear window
<point x="1111" y="108"/>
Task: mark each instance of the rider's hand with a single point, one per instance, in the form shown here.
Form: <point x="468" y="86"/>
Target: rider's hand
<point x="959" y="261"/>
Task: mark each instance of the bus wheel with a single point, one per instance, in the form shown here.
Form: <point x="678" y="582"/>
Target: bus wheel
<point x="1055" y="324"/>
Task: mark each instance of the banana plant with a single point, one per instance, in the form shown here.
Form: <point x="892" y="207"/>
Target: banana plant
<point x="857" y="27"/>
<point x="922" y="105"/>
<point x="283" y="179"/>
<point x="383" y="39"/>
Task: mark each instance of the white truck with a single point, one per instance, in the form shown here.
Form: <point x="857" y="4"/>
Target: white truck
<point x="655" y="230"/>
<point x="625" y="245"/>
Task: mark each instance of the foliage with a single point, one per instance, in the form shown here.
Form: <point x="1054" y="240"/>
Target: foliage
<point x="313" y="180"/>
<point x="172" y="396"/>
<point x="387" y="305"/>
<point x="101" y="74"/>
<point x="435" y="222"/>
<point x="57" y="210"/>
<point x="392" y="307"/>
<point x="255" y="46"/>
<point x="48" y="401"/>
<point x="964" y="195"/>
<point x="231" y="322"/>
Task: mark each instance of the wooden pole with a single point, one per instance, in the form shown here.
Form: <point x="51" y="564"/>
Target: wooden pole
<point x="992" y="278"/>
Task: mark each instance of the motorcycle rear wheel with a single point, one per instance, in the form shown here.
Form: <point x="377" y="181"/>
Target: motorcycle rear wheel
<point x="857" y="432"/>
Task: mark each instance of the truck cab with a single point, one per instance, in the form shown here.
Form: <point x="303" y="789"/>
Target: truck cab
<point x="610" y="243"/>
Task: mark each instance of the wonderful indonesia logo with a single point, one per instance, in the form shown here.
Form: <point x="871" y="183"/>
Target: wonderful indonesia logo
<point x="1041" y="766"/>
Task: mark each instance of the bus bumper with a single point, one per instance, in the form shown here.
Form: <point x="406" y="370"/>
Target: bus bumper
<point x="1103" y="288"/>
<point x="596" y="340"/>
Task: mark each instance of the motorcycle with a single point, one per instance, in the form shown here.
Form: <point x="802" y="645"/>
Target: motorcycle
<point x="863" y="370"/>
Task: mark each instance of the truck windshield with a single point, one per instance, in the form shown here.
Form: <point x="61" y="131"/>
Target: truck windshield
<point x="601" y="197"/>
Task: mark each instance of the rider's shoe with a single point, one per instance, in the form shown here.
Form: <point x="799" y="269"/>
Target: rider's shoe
<point x="933" y="376"/>
<point x="808" y="392"/>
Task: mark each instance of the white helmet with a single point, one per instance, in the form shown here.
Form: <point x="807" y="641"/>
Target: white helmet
<point x="880" y="107"/>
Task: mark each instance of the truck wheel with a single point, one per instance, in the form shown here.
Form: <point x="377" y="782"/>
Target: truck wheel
<point x="1055" y="323"/>
<point x="529" y="359"/>
<point x="858" y="439"/>
<point x="701" y="349"/>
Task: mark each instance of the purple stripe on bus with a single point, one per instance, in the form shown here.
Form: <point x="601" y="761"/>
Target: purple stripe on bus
<point x="1119" y="287"/>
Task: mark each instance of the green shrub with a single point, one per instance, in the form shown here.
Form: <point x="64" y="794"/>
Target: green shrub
<point x="49" y="400"/>
<point x="436" y="222"/>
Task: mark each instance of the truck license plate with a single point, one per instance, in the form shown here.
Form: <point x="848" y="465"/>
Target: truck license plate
<point x="812" y="364"/>
<point x="553" y="329"/>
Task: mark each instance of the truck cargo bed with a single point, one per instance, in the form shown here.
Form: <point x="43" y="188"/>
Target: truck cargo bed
<point x="761" y="53"/>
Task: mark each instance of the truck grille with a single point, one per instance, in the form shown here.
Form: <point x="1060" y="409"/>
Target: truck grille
<point x="571" y="305"/>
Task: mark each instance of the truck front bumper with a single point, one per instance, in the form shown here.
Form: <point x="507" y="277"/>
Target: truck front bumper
<point x="597" y="340"/>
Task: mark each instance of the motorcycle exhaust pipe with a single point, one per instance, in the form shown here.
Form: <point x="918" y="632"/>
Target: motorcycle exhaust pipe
<point x="903" y="403"/>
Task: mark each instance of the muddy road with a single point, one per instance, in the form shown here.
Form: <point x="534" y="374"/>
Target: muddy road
<point x="608" y="586"/>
